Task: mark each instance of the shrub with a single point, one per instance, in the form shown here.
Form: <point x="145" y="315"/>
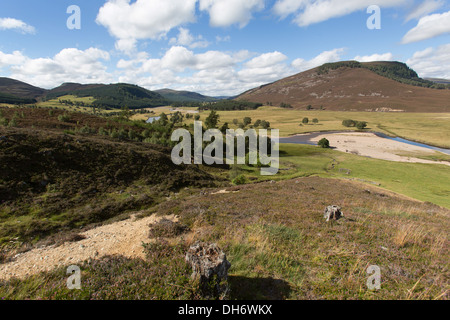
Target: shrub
<point x="166" y="228"/>
<point x="324" y="143"/>
<point x="285" y="105"/>
<point x="315" y="120"/>
<point x="12" y="123"/>
<point x="64" y="117"/>
<point x="265" y="124"/>
<point x="305" y="121"/>
<point x="348" y="123"/>
<point x="241" y="179"/>
<point x="361" y="125"/>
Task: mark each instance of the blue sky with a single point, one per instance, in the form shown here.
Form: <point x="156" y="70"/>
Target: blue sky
<point x="215" y="47"/>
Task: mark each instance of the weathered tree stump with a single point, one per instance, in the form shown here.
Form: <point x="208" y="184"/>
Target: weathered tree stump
<point x="210" y="267"/>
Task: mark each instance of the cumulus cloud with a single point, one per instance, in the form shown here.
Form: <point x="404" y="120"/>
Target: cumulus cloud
<point x="216" y="73"/>
<point x="224" y="13"/>
<point x="432" y="62"/>
<point x="68" y="65"/>
<point x="429" y="27"/>
<point x="307" y="12"/>
<point x="324" y="57"/>
<point x="185" y="38"/>
<point x="179" y="58"/>
<point x="426" y="7"/>
<point x="266" y="60"/>
<point x="15" y="58"/>
<point x="18" y="25"/>
<point x="210" y="72"/>
<point x="264" y="68"/>
<point x="375" y="57"/>
<point x="143" y="19"/>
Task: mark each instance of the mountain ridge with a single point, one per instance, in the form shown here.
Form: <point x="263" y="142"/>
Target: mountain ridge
<point x="354" y="86"/>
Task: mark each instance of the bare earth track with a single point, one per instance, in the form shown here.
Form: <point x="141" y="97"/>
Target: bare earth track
<point x="121" y="238"/>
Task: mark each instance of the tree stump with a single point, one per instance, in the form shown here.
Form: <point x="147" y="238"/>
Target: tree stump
<point x="210" y="267"/>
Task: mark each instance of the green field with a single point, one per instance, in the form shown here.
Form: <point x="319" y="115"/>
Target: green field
<point x="54" y="103"/>
<point x="425" y="182"/>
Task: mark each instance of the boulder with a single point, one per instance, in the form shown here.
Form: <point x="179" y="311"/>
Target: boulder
<point x="333" y="212"/>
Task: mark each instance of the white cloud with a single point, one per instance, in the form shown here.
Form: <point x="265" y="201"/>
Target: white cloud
<point x="375" y="57"/>
<point x="69" y="65"/>
<point x="307" y="12"/>
<point x="15" y="58"/>
<point x="426" y="7"/>
<point x="143" y="19"/>
<point x="214" y="72"/>
<point x="224" y="13"/>
<point x="185" y="38"/>
<point x="266" y="60"/>
<point x="284" y="8"/>
<point x="429" y="27"/>
<point x="179" y="59"/>
<point x="432" y="62"/>
<point x="18" y="25"/>
<point x="264" y="68"/>
<point x="324" y="57"/>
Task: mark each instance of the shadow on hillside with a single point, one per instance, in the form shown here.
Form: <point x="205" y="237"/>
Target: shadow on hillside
<point x="244" y="288"/>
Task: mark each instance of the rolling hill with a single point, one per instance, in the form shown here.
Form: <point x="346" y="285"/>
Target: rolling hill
<point x="354" y="86"/>
<point x="20" y="89"/>
<point x="184" y="96"/>
<point x="68" y="87"/>
<point x="112" y="96"/>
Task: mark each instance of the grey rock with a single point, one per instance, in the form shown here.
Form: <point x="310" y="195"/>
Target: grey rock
<point x="333" y="212"/>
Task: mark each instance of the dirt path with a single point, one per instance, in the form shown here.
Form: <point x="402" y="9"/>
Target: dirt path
<point x="122" y="238"/>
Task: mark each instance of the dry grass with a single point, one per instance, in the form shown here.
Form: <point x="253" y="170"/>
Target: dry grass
<point x="409" y="234"/>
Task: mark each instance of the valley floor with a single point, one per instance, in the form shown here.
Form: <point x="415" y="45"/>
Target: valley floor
<point x="372" y="146"/>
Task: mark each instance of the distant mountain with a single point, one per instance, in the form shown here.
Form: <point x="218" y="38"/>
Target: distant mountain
<point x="20" y="89"/>
<point x="184" y="96"/>
<point x="437" y="80"/>
<point x="354" y="86"/>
